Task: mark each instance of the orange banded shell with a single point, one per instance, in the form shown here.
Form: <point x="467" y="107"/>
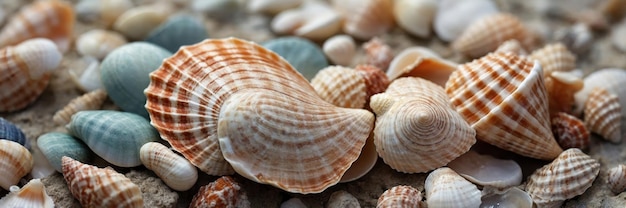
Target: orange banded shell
<point x="570" y="132"/>
<point x="603" y="114"/>
<point x="223" y="192"/>
<point x="400" y="196"/>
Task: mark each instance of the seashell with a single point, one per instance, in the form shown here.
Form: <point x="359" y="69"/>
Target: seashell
<point x="414" y="16"/>
<point x="415" y="120"/>
<point x="341" y="86"/>
<point x="614" y="10"/>
<point x="106" y="11"/>
<point x="55" y="145"/>
<point x="173" y="169"/>
<point x="314" y="20"/>
<point x="616" y="37"/>
<point x="554" y="57"/>
<point x="569" y="175"/>
<point x="446" y="188"/>
<point x="89" y="101"/>
<point x="400" y="196"/>
<point x="421" y="62"/>
<point x="511" y="197"/>
<point x="272" y="6"/>
<point x="100" y="187"/>
<point x="15" y="163"/>
<point x="365" y="19"/>
<point x="603" y="115"/>
<point x="378" y="53"/>
<point x="617" y="178"/>
<point x="33" y="194"/>
<point x="503" y="97"/>
<point x="85" y="73"/>
<point x="125" y="74"/>
<point x="512" y="46"/>
<point x="561" y="87"/>
<point x="569" y="131"/>
<point x="302" y="54"/>
<point x="478" y="39"/>
<point x="178" y="31"/>
<point x="366" y="161"/>
<point x="99" y="43"/>
<point x="53" y="20"/>
<point x="375" y="79"/>
<point x="340" y="49"/>
<point x="223" y="192"/>
<point x="453" y="16"/>
<point x="114" y="136"/>
<point x="25" y="71"/>
<point x="485" y="170"/>
<point x="136" y="23"/>
<point x="611" y="79"/>
<point x="342" y="198"/>
<point x="9" y="131"/>
<point x="286" y="100"/>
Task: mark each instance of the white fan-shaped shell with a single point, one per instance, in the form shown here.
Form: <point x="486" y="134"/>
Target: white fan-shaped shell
<point x="446" y="188"/>
<point x="173" y="169"/>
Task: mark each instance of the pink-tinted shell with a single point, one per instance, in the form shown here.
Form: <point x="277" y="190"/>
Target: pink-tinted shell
<point x="224" y="192"/>
<point x="603" y="114"/>
<point x="378" y="53"/>
<point x="569" y="131"/>
<point x="400" y="196"/>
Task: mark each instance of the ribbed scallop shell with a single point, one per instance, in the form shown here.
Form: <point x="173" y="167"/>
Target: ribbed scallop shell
<point x="554" y="57"/>
<point x="512" y="46"/>
<point x="569" y="175"/>
<point x="561" y="87"/>
<point x="378" y="53"/>
<point x="341" y="86"/>
<point x="486" y="34"/>
<point x="173" y="169"/>
<point x="53" y="20"/>
<point x="415" y="120"/>
<point x="611" y="79"/>
<point x="32" y="195"/>
<point x="365" y="19"/>
<point x="446" y="188"/>
<point x="340" y="49"/>
<point x="25" y="72"/>
<point x="271" y="125"/>
<point x="569" y="131"/>
<point x="603" y="115"/>
<point x="421" y="62"/>
<point x="15" y="163"/>
<point x="400" y="196"/>
<point x="504" y="98"/>
<point x="223" y="192"/>
<point x="99" y="43"/>
<point x="100" y="187"/>
<point x="617" y="178"/>
<point x="89" y="101"/>
<point x="9" y="131"/>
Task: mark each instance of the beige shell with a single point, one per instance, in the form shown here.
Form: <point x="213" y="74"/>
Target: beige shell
<point x="366" y="161"/>
<point x="53" y="20"/>
<point x="173" y="169"/>
<point x="272" y="6"/>
<point x="89" y="101"/>
<point x="569" y="175"/>
<point x="100" y="187"/>
<point x="479" y="39"/>
<point x="15" y="163"/>
<point x="106" y="11"/>
<point x="400" y="196"/>
<point x="340" y="49"/>
<point x="415" y="120"/>
<point x="138" y="22"/>
<point x="99" y="43"/>
<point x="486" y="170"/>
<point x="511" y="46"/>
<point x="504" y="98"/>
<point x="617" y="178"/>
<point x="446" y="188"/>
<point x="25" y="70"/>
<point x="223" y="192"/>
<point x="611" y="79"/>
<point x="341" y="86"/>
<point x="33" y="194"/>
<point x="554" y="57"/>
<point x="415" y="16"/>
<point x="570" y="132"/>
<point x="365" y="19"/>
<point x="603" y="115"/>
<point x="561" y="87"/>
<point x="377" y="53"/>
<point x="85" y="73"/>
<point x="375" y="79"/>
<point x="314" y="20"/>
<point x="421" y="62"/>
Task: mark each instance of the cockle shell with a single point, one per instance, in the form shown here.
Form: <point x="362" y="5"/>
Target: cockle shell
<point x="569" y="131"/>
<point x="603" y="115"/>
<point x="173" y="169"/>
<point x="25" y="70"/>
<point x="89" y="101"/>
<point x="617" y="178"/>
<point x="340" y="49"/>
<point x="315" y="20"/>
<point x="400" y="196"/>
<point x="106" y="11"/>
<point x="99" y="43"/>
<point x="251" y="101"/>
<point x="504" y="98"/>
<point x="223" y="192"/>
<point x="365" y="19"/>
<point x="272" y="6"/>
<point x="341" y="86"/>
<point x="53" y="20"/>
<point x="512" y="46"/>
<point x="415" y="120"/>
<point x="304" y="55"/>
<point x="485" y="170"/>
<point x="569" y="175"/>
<point x="15" y="163"/>
<point x="446" y="188"/>
<point x="561" y="87"/>
<point x="511" y="197"/>
<point x="100" y="187"/>
<point x="421" y="62"/>
<point x="85" y="73"/>
<point x="55" y="145"/>
<point x="115" y="136"/>
<point x="177" y="31"/>
<point x="453" y="16"/>
<point x="554" y="57"/>
<point x="136" y="23"/>
<point x="378" y="53"/>
<point x="611" y="79"/>
<point x="415" y="16"/>
<point x="9" y="131"/>
<point x="33" y="194"/>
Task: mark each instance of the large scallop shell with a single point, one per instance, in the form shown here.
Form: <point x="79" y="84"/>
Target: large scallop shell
<point x="33" y="194"/>
<point x="173" y="169"/>
<point x="504" y="98"/>
<point x="400" y="196"/>
<point x="415" y="120"/>
<point x="89" y="101"/>
<point x="365" y="19"/>
<point x="603" y="115"/>
<point x="271" y="125"/>
<point x="15" y="163"/>
<point x="569" y="175"/>
<point x="617" y="178"/>
<point x="554" y="57"/>
<point x="223" y="192"/>
<point x="446" y="188"/>
<point x="100" y="187"/>
<point x="611" y="79"/>
<point x="569" y="131"/>
<point x="421" y="62"/>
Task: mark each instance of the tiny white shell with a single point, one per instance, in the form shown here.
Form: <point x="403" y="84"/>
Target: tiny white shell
<point x="446" y="188"/>
<point x="340" y="49"/>
<point x="173" y="169"/>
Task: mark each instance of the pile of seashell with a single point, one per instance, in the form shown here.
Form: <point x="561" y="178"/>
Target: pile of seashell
<point x="308" y="111"/>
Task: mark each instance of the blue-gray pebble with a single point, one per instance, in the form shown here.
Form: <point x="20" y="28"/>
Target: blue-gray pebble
<point x="302" y="54"/>
<point x="55" y="145"/>
<point x="178" y="31"/>
<point x="11" y="132"/>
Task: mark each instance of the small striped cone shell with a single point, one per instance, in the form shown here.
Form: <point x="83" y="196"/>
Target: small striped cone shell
<point x="603" y="115"/>
<point x="25" y="71"/>
<point x="15" y="163"/>
<point x="400" y="196"/>
<point x="504" y="98"/>
<point x="554" y="57"/>
<point x="617" y="178"/>
<point x="33" y="194"/>
<point x="53" y="20"/>
<point x="268" y="121"/>
<point x="173" y="169"/>
<point x="421" y="62"/>
<point x="511" y="46"/>
<point x="446" y="188"/>
<point x="378" y="53"/>
<point x="89" y="101"/>
<point x="561" y="88"/>
<point x="365" y="19"/>
<point x="341" y="86"/>
<point x="486" y="34"/>
<point x="569" y="175"/>
<point x="223" y="192"/>
<point x="415" y="120"/>
<point x="569" y="131"/>
<point x="100" y="187"/>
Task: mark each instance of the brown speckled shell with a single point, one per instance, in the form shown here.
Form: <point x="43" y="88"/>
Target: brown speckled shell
<point x="221" y="193"/>
<point x="400" y="196"/>
<point x="603" y="114"/>
<point x="569" y="131"/>
<point x="341" y="86"/>
<point x="617" y="178"/>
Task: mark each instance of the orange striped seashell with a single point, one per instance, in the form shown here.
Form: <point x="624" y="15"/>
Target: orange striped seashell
<point x="268" y="121"/>
<point x="25" y="71"/>
<point x="365" y="19"/>
<point x="100" y="187"/>
<point x="421" y="62"/>
<point x="561" y="87"/>
<point x="15" y="162"/>
<point x="377" y="53"/>
<point x="400" y="196"/>
<point x="89" y="101"/>
<point x="603" y="115"/>
<point x="223" y="192"/>
<point x="554" y="57"/>
<point x="569" y="131"/>
<point x="53" y="20"/>
<point x="375" y="79"/>
<point x="341" y="86"/>
<point x="504" y="98"/>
